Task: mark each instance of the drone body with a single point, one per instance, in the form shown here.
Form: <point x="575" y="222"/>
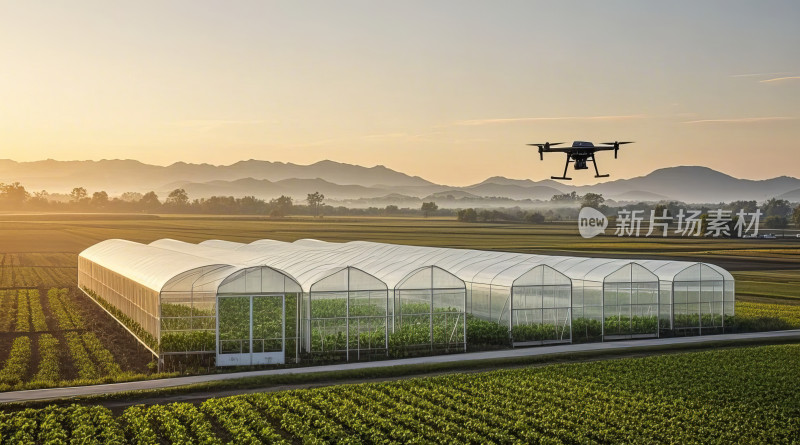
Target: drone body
<point x="579" y="153"/>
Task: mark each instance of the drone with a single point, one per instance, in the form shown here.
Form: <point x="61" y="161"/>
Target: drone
<point x="579" y="153"/>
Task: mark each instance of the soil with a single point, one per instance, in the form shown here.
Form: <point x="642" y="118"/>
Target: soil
<point x="130" y="355"/>
<point x="127" y="351"/>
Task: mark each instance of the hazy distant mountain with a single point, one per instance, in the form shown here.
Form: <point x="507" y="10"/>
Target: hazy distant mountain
<point x="264" y="189"/>
<point x="500" y="180"/>
<point x="696" y="184"/>
<point x="639" y="196"/>
<point x="346" y="182"/>
<point x="793" y="196"/>
<point x="450" y="194"/>
<point x="116" y="176"/>
<point x="381" y="201"/>
<point x="542" y="192"/>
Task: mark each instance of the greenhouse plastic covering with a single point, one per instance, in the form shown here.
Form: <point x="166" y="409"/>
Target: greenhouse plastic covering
<point x="505" y="287"/>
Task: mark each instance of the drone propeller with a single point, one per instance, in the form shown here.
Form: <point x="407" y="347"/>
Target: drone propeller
<point x="545" y="147"/>
<point x="616" y="145"/>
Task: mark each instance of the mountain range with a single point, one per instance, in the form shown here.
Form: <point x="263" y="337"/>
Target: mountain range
<point x="373" y="185"/>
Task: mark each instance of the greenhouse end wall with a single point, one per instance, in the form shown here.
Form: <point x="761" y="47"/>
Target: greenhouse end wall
<point x="346" y="316"/>
<point x="429" y="313"/>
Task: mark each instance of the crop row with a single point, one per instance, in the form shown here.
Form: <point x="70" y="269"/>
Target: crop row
<point x="175" y="423"/>
<point x="16" y="365"/>
<point x="762" y="317"/>
<point x="6" y="270"/>
<point x="93" y="363"/>
<point x="92" y="360"/>
<point x="103" y="358"/>
<point x="8" y="301"/>
<point x="65" y="313"/>
<point x="37" y="314"/>
<point x="84" y="363"/>
<point x="49" y="365"/>
<point x="41" y="259"/>
<point x="23" y="312"/>
<point x="745" y="395"/>
<point x="61" y="425"/>
<point x="29" y="312"/>
<point x="31" y="270"/>
<point x="90" y="357"/>
<point x="15" y="276"/>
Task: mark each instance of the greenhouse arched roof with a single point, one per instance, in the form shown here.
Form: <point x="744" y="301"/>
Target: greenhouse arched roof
<point x="149" y="266"/>
<point x="308" y="261"/>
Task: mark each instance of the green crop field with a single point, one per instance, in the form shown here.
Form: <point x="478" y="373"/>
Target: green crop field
<point x="39" y="252"/>
<point x="47" y="339"/>
<point x="70" y="234"/>
<point x="744" y="395"/>
<point x="776" y="286"/>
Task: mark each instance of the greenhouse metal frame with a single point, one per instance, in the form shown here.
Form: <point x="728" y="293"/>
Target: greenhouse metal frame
<point x="272" y="302"/>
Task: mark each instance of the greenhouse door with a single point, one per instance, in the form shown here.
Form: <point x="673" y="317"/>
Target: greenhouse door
<point x="251" y="330"/>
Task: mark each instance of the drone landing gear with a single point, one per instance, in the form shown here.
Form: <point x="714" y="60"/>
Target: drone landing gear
<point x="566" y="166"/>
<point x="597" y="173"/>
<point x="580" y="166"/>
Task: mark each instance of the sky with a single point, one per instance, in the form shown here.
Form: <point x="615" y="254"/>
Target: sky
<point x="448" y="90"/>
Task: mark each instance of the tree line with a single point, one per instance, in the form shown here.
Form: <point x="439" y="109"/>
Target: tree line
<point x="775" y="213"/>
<point x="14" y="196"/>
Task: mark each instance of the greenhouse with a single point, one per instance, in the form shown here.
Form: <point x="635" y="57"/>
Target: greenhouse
<point x="356" y="312"/>
<point x="180" y="304"/>
<point x="271" y="302"/>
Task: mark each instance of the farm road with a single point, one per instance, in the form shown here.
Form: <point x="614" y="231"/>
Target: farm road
<point x="82" y="391"/>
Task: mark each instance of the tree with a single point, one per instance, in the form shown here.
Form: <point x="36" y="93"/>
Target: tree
<point x="99" y="199"/>
<point x="178" y="198"/>
<point x="593" y="200"/>
<point x="776" y="207"/>
<point x="315" y="201"/>
<point x="249" y="205"/>
<point x="40" y="199"/>
<point x="535" y="218"/>
<point x="131" y="196"/>
<point x="13" y="195"/>
<point x="281" y="206"/>
<point x="391" y="209"/>
<point x="776" y="222"/>
<point x="78" y="194"/>
<point x="428" y="208"/>
<point x="485" y="215"/>
<point x="150" y="201"/>
<point x="796" y="217"/>
<point x="572" y="196"/>
<point x="747" y="206"/>
<point x="467" y="215"/>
